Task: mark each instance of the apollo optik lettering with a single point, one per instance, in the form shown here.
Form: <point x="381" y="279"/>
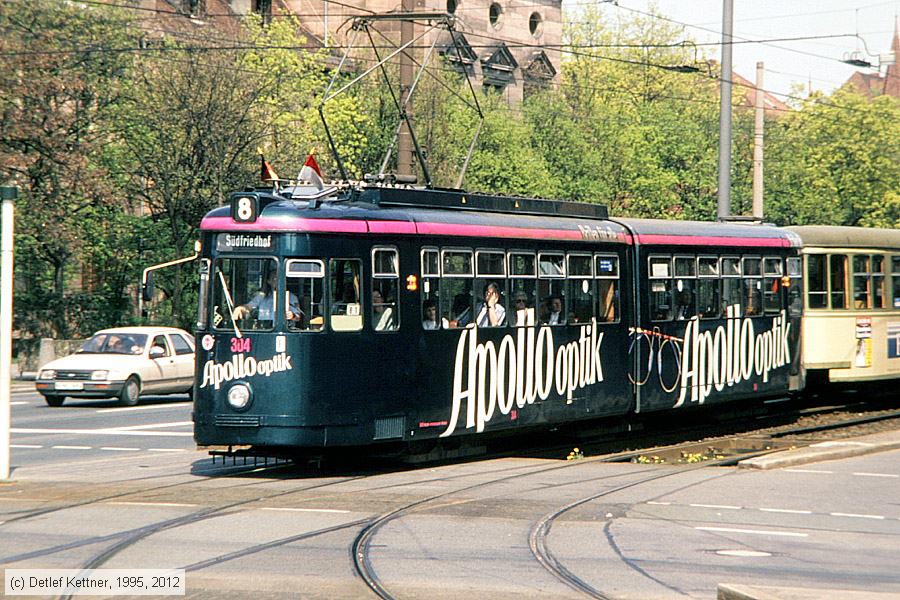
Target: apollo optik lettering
<point x="240" y="365"/>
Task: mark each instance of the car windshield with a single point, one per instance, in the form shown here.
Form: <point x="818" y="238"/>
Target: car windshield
<point x="115" y="343"/>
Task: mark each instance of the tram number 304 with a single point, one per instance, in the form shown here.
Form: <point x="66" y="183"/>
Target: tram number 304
<point x="240" y="344"/>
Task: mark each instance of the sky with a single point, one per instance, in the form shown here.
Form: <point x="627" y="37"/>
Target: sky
<point x="788" y="64"/>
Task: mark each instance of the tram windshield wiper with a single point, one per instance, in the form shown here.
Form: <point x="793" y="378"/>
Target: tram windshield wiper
<point x="237" y="332"/>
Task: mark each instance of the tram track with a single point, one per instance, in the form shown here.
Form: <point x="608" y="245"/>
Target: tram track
<point x="239" y="470"/>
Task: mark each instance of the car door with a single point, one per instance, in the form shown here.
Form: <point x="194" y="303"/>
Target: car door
<point x="166" y="380"/>
<point x="184" y="360"/>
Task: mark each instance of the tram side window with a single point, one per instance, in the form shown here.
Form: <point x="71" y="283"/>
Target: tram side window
<point x="551" y="287"/>
<point x="457" y="277"/>
<point x="580" y="288"/>
<point x="878" y="290"/>
<point x="606" y="270"/>
<point x="685" y="287"/>
<point x="523" y="285"/>
<point x="837" y="279"/>
<point x="731" y="284"/>
<point x="752" y="287"/>
<point x="346" y="314"/>
<point x="306" y="281"/>
<point x="661" y="288"/>
<point x="490" y="273"/>
<point x="244" y="293"/>
<point x="895" y="278"/>
<point x="862" y="293"/>
<point x="795" y="293"/>
<point x="431" y="287"/>
<point x="816" y="281"/>
<point x="772" y="272"/>
<point x="385" y="285"/>
<point x="709" y="305"/>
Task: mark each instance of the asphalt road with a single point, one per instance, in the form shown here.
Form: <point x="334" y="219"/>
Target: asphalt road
<point x="126" y="487"/>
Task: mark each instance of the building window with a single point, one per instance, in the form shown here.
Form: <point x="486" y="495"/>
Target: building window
<point x="535" y="22"/>
<point x="494" y="13"/>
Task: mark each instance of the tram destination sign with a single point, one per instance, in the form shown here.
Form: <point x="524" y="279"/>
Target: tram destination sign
<point x="231" y="242"/>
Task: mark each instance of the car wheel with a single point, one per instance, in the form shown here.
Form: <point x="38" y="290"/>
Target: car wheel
<point x="54" y="400"/>
<point x="130" y="393"/>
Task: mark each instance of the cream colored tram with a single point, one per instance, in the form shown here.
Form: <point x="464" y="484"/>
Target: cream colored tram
<point x="851" y="321"/>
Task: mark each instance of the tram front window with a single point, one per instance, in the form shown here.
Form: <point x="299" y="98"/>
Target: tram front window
<point x="245" y="294"/>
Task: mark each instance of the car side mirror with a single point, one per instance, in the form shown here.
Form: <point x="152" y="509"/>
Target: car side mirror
<point x="157" y="352"/>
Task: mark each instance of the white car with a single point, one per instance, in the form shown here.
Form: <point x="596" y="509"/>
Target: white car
<point x="123" y="363"/>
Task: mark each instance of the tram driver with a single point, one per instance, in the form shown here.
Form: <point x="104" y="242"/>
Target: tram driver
<point x="264" y="303"/>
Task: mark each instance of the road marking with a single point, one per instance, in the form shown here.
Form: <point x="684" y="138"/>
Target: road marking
<point x="118" y="449"/>
<point x="723" y="507"/>
<point x="108" y="431"/>
<point x="661" y="503"/>
<point x="753" y="531"/>
<point x="151" y="504"/>
<point x="856" y="516"/>
<point x="25" y="446"/>
<point x="808" y="471"/>
<point x="147" y="407"/>
<point x="154" y="426"/>
<point x="314" y="510"/>
<point x="877" y="475"/>
<point x="743" y="553"/>
<point x="166" y="449"/>
<point x="18" y="403"/>
<point x="72" y="447"/>
<point x="787" y="510"/>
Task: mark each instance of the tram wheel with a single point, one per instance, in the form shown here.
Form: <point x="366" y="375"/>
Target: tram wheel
<point x="130" y="393"/>
<point x="54" y="401"/>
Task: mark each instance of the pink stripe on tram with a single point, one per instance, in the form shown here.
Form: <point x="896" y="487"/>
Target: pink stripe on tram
<point x="684" y="240"/>
<point x="287" y="224"/>
<point x="460" y="229"/>
<point x="401" y="227"/>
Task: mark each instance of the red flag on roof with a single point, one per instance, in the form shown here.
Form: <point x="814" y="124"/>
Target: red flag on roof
<point x="266" y="172"/>
<point x="311" y="172"/>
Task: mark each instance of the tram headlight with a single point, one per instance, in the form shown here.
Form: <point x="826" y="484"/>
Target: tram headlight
<point x="239" y="396"/>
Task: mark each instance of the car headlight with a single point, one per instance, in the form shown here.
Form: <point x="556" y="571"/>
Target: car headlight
<point x="47" y="374"/>
<point x="239" y="396"/>
<point x="99" y="375"/>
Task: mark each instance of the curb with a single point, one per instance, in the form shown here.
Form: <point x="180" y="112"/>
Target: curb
<point x="733" y="591"/>
<point x="816" y="453"/>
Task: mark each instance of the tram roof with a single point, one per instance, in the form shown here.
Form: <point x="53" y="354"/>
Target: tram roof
<point x="832" y="236"/>
<point x="434" y="212"/>
<point x="708" y="233"/>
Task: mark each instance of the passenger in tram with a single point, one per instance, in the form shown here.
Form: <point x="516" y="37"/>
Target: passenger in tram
<point x="382" y="315"/>
<point x="524" y="313"/>
<point x="461" y="312"/>
<point x="429" y="312"/>
<point x="553" y="314"/>
<point x="263" y="303"/>
<point x="491" y="313"/>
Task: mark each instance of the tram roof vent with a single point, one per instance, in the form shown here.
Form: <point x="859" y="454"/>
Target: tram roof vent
<point x="459" y="200"/>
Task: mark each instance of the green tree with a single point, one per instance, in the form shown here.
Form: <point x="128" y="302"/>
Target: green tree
<point x="60" y="87"/>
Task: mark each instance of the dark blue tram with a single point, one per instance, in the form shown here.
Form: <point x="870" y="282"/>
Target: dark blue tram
<point x="376" y="314"/>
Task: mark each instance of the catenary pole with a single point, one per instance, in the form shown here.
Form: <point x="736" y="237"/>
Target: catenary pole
<point x="758" y="134"/>
<point x="8" y="195"/>
<point x="405" y="165"/>
<point x="724" y="201"/>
